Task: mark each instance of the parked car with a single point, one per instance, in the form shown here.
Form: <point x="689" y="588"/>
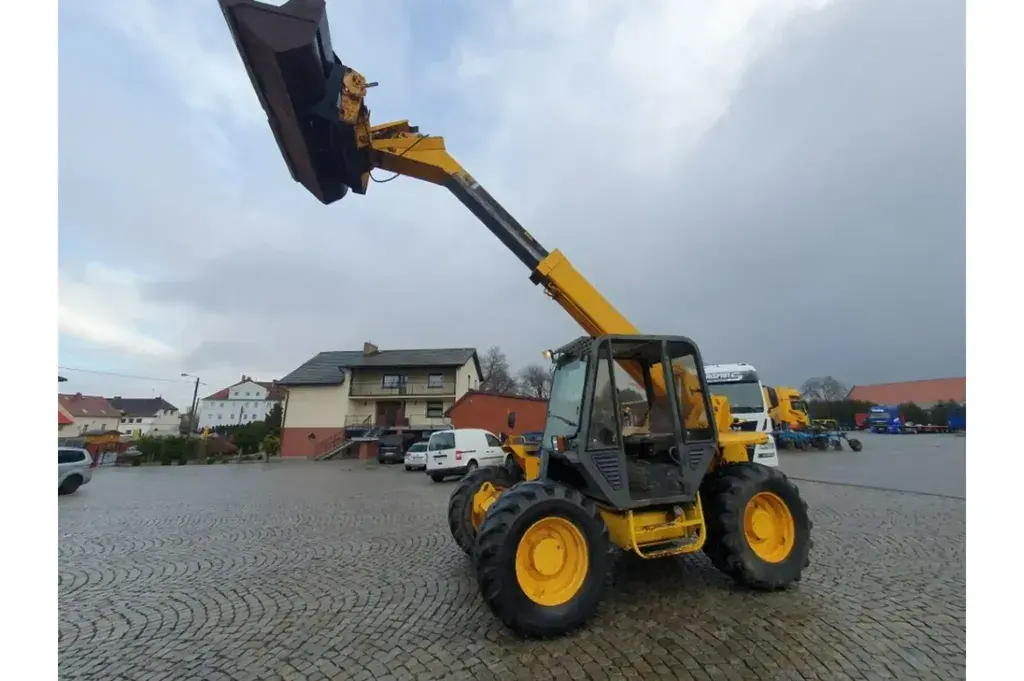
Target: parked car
<point x="74" y="469"/>
<point x="416" y="457"/>
<point x="389" y="449"/>
<point x="460" y="451"/>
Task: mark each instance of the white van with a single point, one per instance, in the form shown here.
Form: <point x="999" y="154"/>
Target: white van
<point x="459" y="451"/>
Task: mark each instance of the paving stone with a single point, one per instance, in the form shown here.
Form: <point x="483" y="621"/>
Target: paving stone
<point x="347" y="571"/>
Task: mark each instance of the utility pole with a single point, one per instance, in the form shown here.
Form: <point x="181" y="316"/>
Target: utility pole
<point x="192" y="410"/>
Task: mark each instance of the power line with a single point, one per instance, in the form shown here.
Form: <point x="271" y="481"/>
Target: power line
<point x="120" y="375"/>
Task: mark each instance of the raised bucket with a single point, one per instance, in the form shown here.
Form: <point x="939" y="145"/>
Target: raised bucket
<point x="288" y="54"/>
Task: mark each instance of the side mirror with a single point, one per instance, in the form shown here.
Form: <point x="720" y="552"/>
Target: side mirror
<point x="511" y="420"/>
<point x="773" y="398"/>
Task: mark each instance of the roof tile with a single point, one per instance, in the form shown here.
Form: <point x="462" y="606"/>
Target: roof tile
<point x="141" y="406"/>
<point x="326" y="367"/>
<point x="926" y="391"/>
<point x="88" y="405"/>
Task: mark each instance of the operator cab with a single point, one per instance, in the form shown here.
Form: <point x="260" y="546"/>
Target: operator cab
<point x="621" y="432"/>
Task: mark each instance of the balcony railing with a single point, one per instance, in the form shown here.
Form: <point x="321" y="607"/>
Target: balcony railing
<point x="413" y="422"/>
<point x="365" y="388"/>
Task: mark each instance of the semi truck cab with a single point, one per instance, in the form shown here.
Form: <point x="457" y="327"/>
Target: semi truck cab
<point x="885" y="419"/>
<point x="738" y="382"/>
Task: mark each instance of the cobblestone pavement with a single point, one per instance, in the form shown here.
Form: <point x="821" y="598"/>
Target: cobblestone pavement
<point x="345" y="571"/>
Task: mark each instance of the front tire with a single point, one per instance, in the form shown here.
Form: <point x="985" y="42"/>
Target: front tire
<point x="759" y="532"/>
<point x="541" y="558"/>
<point x="465" y="516"/>
<point x="436" y="477"/>
<point x="70" y="485"/>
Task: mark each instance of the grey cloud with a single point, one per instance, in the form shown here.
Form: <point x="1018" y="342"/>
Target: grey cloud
<point x="818" y="228"/>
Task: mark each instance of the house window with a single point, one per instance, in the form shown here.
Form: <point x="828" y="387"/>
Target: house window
<point x="392" y="380"/>
<point x="435" y="381"/>
<point x="435" y="410"/>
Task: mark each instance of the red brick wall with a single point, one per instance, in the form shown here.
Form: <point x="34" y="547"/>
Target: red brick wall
<point x="295" y="442"/>
<point x="481" y="410"/>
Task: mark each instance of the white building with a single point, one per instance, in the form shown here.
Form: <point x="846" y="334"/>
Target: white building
<point x="153" y="416"/>
<point x="241" y="403"/>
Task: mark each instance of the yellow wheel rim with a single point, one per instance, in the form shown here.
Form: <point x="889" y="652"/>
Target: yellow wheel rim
<point x="768" y="525"/>
<point x="482" y="500"/>
<point x="552" y="561"/>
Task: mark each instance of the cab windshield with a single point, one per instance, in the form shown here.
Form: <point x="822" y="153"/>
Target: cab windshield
<point x="744" y="398"/>
<point x="566" y="401"/>
<point x="798" y="405"/>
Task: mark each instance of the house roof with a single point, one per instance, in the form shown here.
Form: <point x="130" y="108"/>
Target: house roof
<point x="274" y="390"/>
<point x="326" y="368"/>
<point x="490" y="393"/>
<point x="92" y="406"/>
<point x="926" y="391"/>
<point x="63" y="420"/>
<point x="141" y="406"/>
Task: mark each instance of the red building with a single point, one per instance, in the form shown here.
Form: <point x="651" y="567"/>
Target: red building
<point x="487" y="410"/>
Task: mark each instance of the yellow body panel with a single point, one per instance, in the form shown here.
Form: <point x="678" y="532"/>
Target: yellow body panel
<point x="642" y="532"/>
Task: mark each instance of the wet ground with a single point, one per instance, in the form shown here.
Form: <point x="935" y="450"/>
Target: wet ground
<point x="930" y="464"/>
<point x="346" y="571"/>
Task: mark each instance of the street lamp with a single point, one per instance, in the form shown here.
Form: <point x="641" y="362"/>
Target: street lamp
<point x="192" y="412"/>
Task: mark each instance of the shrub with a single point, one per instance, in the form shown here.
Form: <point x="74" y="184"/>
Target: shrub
<point x="271" y="445"/>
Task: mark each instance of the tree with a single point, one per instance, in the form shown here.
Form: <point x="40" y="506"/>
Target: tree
<point x="535" y="381"/>
<point x="824" y="389"/>
<point x="496" y="376"/>
<point x="912" y="413"/>
<point x="941" y="412"/>
<point x="273" y="420"/>
<point x="185" y="422"/>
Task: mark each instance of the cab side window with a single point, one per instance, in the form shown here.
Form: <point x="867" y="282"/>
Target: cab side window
<point x="492" y="441"/>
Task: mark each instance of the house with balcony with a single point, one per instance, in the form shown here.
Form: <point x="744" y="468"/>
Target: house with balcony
<point x="342" y="397"/>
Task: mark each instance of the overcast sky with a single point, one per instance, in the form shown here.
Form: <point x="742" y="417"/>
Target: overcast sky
<point x="780" y="180"/>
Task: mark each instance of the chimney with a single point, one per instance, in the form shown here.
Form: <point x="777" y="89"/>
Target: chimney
<point x="370" y="349"/>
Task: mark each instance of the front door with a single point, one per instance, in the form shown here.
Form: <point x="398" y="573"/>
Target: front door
<point x="389" y="413"/>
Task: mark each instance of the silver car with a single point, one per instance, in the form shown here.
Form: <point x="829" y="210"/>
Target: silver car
<point x="74" y="469"/>
<point x="416" y="457"/>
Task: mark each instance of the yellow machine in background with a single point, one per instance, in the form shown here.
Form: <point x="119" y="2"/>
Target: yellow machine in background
<point x="787" y="408"/>
<point x="660" y="478"/>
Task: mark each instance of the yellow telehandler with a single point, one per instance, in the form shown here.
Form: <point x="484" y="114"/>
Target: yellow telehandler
<point x="636" y="454"/>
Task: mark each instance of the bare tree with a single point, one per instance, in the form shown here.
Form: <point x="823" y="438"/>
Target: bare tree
<point x="496" y="376"/>
<point x="535" y="381"/>
<point x="824" y="389"/>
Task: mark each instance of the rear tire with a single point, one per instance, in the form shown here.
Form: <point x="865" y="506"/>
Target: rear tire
<point x="460" y="504"/>
<point x="70" y="485"/>
<point x="855" y="444"/>
<point x="567" y="594"/>
<point x="735" y="499"/>
<point x="436" y="477"/>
